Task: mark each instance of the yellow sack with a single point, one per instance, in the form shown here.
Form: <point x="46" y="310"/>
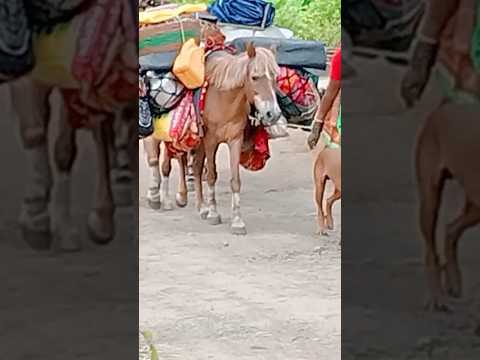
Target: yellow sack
<point x="161" y="127"/>
<point x="161" y="15"/>
<point x="54" y="53"/>
<point x="189" y="66"/>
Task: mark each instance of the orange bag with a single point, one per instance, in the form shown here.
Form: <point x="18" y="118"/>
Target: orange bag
<point x="189" y="66"/>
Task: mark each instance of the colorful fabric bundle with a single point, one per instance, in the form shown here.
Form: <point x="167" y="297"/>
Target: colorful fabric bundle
<point x="180" y="128"/>
<point x="103" y="63"/>
<point x="255" y="151"/>
<point x="297" y="95"/>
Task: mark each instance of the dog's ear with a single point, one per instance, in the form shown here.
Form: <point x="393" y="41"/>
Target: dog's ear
<point x="251" y="51"/>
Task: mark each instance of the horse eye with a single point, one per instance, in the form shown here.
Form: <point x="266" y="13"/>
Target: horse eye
<point x="255" y="78"/>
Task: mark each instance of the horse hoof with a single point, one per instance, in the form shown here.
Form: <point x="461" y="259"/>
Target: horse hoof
<point x="181" y="200"/>
<point x="239" y="230"/>
<point x="37" y="240"/>
<point x="214" y="219"/>
<point x="203" y="214"/>
<point x="70" y="242"/>
<point x="122" y="195"/>
<point x="155" y="205"/>
<point x="436" y="304"/>
<point x="167" y="205"/>
<point x="101" y="231"/>
<point x="453" y="280"/>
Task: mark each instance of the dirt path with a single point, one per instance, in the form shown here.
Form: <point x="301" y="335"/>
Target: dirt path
<point x="273" y="294"/>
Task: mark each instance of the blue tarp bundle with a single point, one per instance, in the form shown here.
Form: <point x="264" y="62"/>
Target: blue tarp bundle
<point x="244" y="12"/>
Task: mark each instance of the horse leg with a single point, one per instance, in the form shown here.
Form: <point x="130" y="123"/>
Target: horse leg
<point x="189" y="171"/>
<point x="430" y="178"/>
<point x="33" y="120"/>
<point x="152" y="151"/>
<point x="101" y="218"/>
<point x="238" y="225"/>
<point x="182" y="194"/>
<point x="198" y="164"/>
<point x="121" y="171"/>
<point x="166" y="169"/>
<point x="213" y="216"/>
<point x="453" y="278"/>
<point x="330" y="201"/>
<point x="66" y="234"/>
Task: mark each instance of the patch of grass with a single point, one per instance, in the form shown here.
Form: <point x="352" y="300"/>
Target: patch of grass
<point x="147" y="335"/>
<point x="308" y="19"/>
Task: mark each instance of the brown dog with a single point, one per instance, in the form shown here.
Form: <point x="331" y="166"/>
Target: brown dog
<point x="327" y="166"/>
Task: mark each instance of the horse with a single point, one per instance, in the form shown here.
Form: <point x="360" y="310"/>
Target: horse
<point x="236" y="83"/>
<point x="30" y="97"/>
<point x="327" y="166"/>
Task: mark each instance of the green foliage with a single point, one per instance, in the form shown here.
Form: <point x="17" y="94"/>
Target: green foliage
<point x="308" y="19"/>
<point x="149" y="340"/>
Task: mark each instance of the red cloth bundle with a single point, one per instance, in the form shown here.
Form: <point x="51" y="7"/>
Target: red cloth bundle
<point x="256" y="151"/>
<point x="296" y="87"/>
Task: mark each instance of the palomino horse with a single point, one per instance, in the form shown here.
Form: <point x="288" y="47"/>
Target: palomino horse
<point x="31" y="102"/>
<point x="236" y="82"/>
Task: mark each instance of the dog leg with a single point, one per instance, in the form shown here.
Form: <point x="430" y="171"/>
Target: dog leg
<point x="454" y="230"/>
<point x="330" y="201"/>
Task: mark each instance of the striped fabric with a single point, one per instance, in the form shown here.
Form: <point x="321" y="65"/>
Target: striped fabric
<point x="167" y="37"/>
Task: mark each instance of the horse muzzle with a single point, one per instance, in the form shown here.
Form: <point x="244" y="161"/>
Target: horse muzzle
<point x="269" y="113"/>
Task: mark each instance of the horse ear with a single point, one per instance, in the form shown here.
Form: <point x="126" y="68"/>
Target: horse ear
<point x="274" y="49"/>
<point x="251" y="50"/>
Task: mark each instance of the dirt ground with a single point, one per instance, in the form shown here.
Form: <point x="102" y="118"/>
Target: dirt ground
<point x="272" y="294"/>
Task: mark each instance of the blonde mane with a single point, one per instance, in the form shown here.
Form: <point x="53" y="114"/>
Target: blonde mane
<point x="228" y="72"/>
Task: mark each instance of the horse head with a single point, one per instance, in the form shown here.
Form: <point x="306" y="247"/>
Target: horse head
<point x="261" y="83"/>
